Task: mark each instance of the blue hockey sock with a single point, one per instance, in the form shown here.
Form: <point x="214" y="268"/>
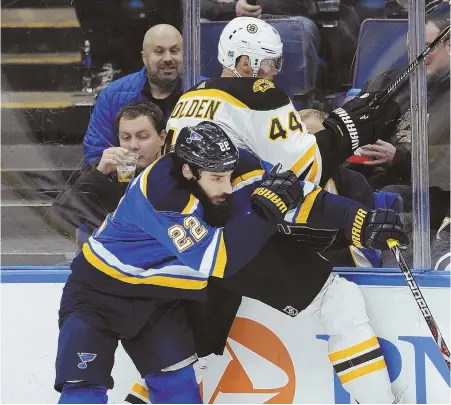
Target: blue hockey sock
<point x="174" y="387"/>
<point x="80" y="393"/>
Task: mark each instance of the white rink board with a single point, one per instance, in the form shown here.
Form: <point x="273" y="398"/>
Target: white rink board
<point x="298" y="373"/>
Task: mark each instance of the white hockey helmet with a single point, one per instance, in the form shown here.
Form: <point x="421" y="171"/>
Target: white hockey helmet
<point x="251" y="37"/>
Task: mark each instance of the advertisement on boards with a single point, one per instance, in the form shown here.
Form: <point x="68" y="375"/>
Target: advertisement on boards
<point x="269" y="357"/>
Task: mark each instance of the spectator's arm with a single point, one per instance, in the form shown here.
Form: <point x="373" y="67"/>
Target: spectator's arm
<point x="284" y="7"/>
<point x="101" y="130"/>
<point x="218" y="11"/>
<point x="402" y="162"/>
<point x="89" y="199"/>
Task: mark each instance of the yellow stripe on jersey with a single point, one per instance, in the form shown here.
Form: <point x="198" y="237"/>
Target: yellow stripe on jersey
<point x="174" y="136"/>
<point x="247" y="176"/>
<point x="370" y="368"/>
<point x="165" y="281"/>
<point x="303" y="160"/>
<point x="140" y="390"/>
<point x="189" y="206"/>
<point x="145" y="174"/>
<point x="221" y="259"/>
<point x="213" y="93"/>
<point x="306" y="207"/>
<point x="351" y="351"/>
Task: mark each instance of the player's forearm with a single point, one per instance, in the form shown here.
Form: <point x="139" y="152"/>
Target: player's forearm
<point x="402" y="162"/>
<point x="324" y="210"/>
<point x="331" y="154"/>
<point x="244" y="237"/>
<point x="215" y="11"/>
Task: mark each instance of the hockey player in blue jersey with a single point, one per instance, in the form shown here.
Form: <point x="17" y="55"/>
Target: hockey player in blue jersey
<point x="130" y="281"/>
<point x="135" y="275"/>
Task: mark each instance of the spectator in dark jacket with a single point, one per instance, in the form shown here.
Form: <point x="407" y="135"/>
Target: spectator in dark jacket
<point x="392" y="160"/>
<point x="141" y="127"/>
<point x="159" y="82"/>
<point x="225" y="10"/>
<point x="391" y="164"/>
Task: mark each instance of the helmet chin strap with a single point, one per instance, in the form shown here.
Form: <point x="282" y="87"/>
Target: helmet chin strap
<point x="235" y="72"/>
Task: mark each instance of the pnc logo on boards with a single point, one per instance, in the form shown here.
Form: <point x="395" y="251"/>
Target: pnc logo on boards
<point x="255" y="368"/>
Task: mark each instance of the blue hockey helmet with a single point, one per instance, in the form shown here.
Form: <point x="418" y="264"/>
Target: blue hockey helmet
<point x="207" y="147"/>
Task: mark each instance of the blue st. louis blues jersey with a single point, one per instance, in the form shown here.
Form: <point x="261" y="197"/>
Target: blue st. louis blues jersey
<point x="157" y="243"/>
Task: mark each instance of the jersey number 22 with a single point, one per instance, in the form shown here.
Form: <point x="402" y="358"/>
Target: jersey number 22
<point x="178" y="233"/>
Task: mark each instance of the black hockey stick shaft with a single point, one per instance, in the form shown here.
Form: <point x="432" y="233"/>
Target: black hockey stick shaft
<point x="427" y="315"/>
<point x="404" y="75"/>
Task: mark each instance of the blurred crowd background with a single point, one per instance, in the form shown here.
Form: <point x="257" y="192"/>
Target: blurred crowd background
<point x="58" y="56"/>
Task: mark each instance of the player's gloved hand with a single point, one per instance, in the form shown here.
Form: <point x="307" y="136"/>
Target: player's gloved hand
<point x="277" y="194"/>
<point x="372" y="228"/>
<point x="357" y="124"/>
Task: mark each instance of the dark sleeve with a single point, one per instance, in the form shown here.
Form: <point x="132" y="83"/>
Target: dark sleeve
<point x="331" y="156"/>
<point x="244" y="237"/>
<point x="323" y="210"/>
<point x="402" y="162"/>
<point x="214" y="11"/>
<point x="284" y="7"/>
<point x="353" y="185"/>
<point x="88" y="200"/>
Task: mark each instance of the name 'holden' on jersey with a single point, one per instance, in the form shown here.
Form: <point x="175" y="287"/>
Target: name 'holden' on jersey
<point x="203" y="109"/>
<point x="258" y="116"/>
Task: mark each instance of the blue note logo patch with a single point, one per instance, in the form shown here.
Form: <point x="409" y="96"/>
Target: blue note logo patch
<point x="194" y="136"/>
<point x="85" y="359"/>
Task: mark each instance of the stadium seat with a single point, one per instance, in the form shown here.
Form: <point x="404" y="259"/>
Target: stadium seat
<point x="370" y="8"/>
<point x="382" y="46"/>
<point x="294" y="78"/>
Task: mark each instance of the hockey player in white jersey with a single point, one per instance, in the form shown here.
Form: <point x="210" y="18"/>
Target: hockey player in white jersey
<point x="260" y="117"/>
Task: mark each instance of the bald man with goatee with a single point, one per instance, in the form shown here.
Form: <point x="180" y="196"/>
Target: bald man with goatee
<point x="163" y="57"/>
<point x="159" y="81"/>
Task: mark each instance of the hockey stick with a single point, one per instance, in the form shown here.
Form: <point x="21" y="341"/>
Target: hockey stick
<point x="427" y="315"/>
<point x="404" y="75"/>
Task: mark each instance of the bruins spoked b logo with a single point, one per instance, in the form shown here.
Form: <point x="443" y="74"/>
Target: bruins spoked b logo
<point x="252" y="28"/>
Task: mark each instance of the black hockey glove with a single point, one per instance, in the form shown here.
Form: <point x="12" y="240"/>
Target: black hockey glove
<point x="358" y="124"/>
<point x="372" y="229"/>
<point x="277" y="194"/>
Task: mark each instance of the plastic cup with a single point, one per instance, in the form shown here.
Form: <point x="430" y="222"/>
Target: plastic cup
<point x="126" y="173"/>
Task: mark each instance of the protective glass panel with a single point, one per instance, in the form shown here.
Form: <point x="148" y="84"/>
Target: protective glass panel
<point x="57" y="57"/>
<point x="332" y="51"/>
<point x="438" y="136"/>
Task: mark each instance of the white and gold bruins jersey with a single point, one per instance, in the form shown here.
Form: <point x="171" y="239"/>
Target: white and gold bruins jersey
<point x="257" y="116"/>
